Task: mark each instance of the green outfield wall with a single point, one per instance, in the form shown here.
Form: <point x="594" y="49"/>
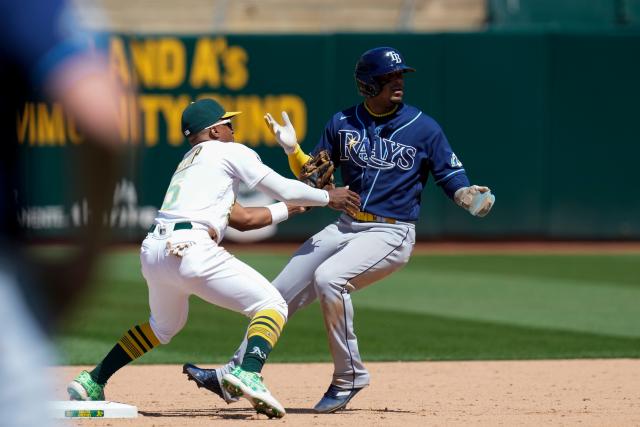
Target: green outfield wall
<point x="549" y="120"/>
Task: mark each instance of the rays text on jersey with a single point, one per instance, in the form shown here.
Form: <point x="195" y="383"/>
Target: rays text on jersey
<point x="383" y="153"/>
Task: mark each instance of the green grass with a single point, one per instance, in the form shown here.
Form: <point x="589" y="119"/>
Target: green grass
<point x="439" y="307"/>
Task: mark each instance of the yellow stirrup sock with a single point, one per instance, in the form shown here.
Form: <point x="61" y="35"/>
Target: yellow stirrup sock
<point x="134" y="343"/>
<point x="264" y="330"/>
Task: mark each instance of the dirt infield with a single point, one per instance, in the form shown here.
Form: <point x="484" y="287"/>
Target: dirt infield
<point x="531" y="393"/>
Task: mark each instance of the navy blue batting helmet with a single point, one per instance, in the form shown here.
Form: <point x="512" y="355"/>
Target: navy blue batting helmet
<point x="374" y="64"/>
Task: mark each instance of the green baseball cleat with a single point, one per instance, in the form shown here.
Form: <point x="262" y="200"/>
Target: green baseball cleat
<point x="83" y="387"/>
<point x="240" y="383"/>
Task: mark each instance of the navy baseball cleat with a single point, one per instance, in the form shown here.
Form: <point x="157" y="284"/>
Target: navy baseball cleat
<point x="207" y="378"/>
<point x="334" y="399"/>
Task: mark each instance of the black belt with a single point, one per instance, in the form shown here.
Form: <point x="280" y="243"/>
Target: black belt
<point x="176" y="226"/>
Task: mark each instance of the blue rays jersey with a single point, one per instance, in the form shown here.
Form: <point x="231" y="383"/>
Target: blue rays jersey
<point x="387" y="160"/>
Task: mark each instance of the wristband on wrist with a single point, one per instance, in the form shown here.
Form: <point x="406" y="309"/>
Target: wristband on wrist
<point x="279" y="212"/>
<point x="297" y="159"/>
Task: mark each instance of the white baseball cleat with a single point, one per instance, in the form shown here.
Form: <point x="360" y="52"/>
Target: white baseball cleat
<point x="240" y="383"/>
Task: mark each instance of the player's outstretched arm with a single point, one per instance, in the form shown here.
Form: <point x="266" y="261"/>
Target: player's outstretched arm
<point x="244" y="218"/>
<point x="295" y="192"/>
<point x="286" y="137"/>
<point x="476" y="199"/>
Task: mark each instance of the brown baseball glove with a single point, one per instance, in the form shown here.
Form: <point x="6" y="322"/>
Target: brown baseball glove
<point x="318" y="171"/>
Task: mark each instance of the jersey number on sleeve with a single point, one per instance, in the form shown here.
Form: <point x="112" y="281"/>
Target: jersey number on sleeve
<point x="171" y="198"/>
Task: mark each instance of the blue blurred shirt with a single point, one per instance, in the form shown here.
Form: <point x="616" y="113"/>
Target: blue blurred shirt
<point x="36" y="38"/>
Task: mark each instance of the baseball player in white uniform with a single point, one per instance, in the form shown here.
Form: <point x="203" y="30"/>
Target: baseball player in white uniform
<point x="182" y="256"/>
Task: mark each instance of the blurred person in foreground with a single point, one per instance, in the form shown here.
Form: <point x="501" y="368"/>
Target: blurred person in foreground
<point x="41" y="52"/>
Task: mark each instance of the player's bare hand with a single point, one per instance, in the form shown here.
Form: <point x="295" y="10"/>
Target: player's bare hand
<point x="295" y="210"/>
<point x="285" y="135"/>
<point x="345" y="200"/>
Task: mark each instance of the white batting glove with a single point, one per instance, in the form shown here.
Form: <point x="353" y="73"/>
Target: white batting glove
<point x="476" y="199"/>
<point x="285" y="135"/>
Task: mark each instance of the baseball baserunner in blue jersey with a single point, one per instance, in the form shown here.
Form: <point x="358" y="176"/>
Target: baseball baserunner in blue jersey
<point x="385" y="150"/>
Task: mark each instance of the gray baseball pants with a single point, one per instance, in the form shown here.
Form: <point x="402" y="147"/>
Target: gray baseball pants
<point x="344" y="257"/>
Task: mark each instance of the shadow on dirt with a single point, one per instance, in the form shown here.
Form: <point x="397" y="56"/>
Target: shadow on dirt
<point x="246" y="413"/>
<point x="226" y="413"/>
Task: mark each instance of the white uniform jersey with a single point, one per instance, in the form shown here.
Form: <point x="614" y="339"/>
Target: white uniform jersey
<point x="204" y="186"/>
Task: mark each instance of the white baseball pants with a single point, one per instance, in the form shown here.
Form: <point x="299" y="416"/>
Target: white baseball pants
<point x="205" y="270"/>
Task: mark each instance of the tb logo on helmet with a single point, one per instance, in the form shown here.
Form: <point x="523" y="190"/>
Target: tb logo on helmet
<point x="375" y="63"/>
